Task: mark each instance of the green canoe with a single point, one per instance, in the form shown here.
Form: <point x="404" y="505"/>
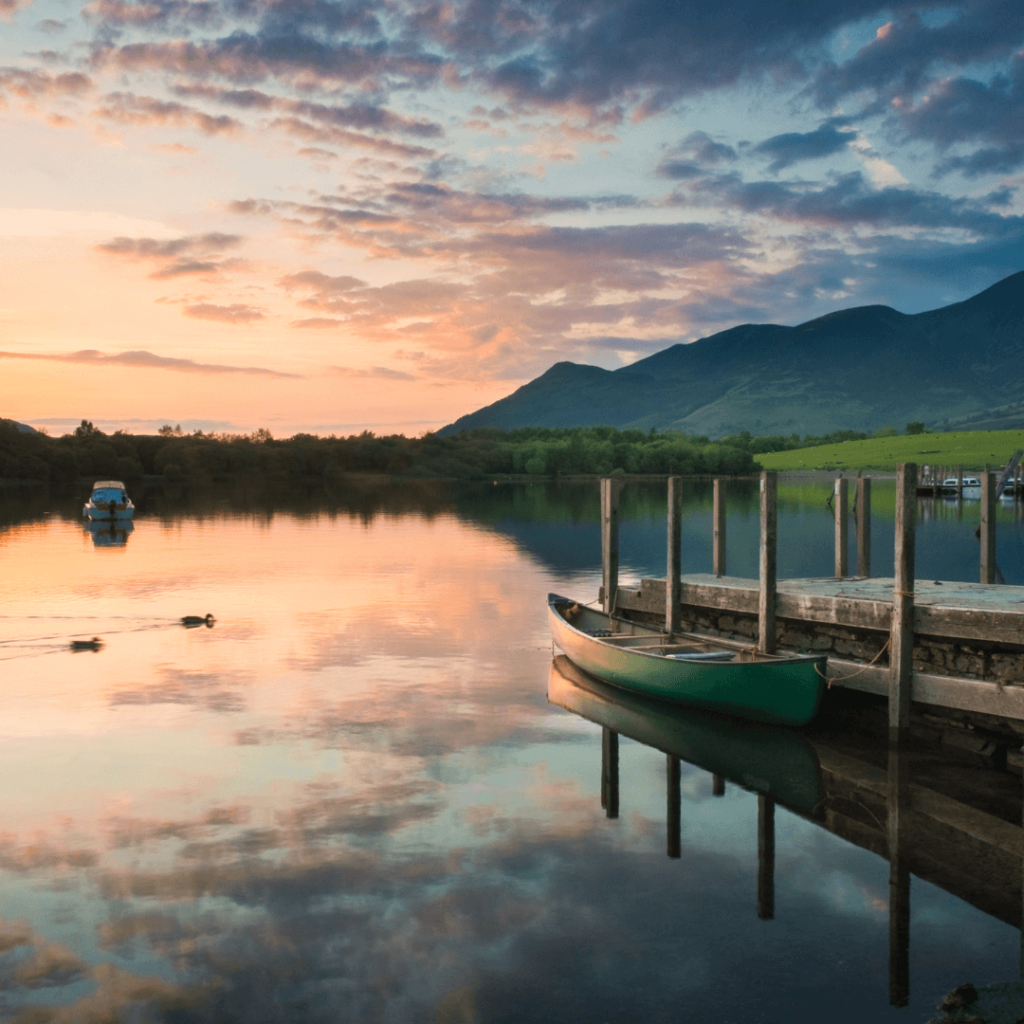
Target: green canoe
<point x="704" y="672"/>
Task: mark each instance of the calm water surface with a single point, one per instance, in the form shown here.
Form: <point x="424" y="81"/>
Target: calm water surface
<point x="351" y="799"/>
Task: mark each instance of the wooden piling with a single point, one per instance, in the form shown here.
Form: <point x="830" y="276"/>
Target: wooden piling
<point x="717" y="785"/>
<point x="609" y="541"/>
<point x="767" y="569"/>
<point x="988" y="527"/>
<point x="674" y="567"/>
<point x="862" y="502"/>
<point x="901" y="634"/>
<point x="841" y="513"/>
<point x="765" y="857"/>
<point x="718" y="518"/>
<point x="610" y="772"/>
<point x="675" y="802"/>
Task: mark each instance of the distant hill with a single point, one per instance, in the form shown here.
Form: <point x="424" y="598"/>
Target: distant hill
<point x="857" y="369"/>
<point x="23" y="427"/>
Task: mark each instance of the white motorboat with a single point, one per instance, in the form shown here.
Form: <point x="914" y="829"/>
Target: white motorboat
<point x="109" y="500"/>
<point x="971" y="488"/>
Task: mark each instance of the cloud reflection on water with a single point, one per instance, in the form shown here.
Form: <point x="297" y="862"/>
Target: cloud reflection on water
<point x="351" y="801"/>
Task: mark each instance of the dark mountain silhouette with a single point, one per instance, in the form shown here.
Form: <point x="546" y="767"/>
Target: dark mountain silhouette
<point x="23" y="427"/>
<point x="856" y="369"/>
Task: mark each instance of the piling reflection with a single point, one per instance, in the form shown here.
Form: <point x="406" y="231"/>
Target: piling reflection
<point x="953" y="822"/>
<point x="897" y="824"/>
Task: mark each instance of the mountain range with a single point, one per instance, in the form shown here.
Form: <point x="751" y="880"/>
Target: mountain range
<point x="856" y="369"/>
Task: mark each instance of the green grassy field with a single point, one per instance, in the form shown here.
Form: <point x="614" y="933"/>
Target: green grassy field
<point x="971" y="449"/>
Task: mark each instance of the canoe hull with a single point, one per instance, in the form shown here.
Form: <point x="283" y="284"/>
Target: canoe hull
<point x="782" y="691"/>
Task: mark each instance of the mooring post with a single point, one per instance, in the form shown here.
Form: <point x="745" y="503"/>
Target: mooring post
<point x="609" y="541"/>
<point x="675" y="802"/>
<point x="610" y="772"/>
<point x="674" y="567"/>
<point x="863" y="505"/>
<point x="988" y="527"/>
<point x="899" y="878"/>
<point x="718" y="518"/>
<point x="765" y="857"/>
<point x="717" y="785"/>
<point x="842" y="568"/>
<point x="767" y="573"/>
<point x="901" y="633"/>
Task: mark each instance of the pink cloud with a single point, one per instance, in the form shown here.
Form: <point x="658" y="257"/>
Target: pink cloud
<point x="236" y="313"/>
<point x="145" y="111"/>
<point x="143" y="360"/>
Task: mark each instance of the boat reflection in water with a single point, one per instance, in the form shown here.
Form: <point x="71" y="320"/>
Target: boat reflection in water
<point x="940" y="817"/>
<point x="109" y="533"/>
<point x="778" y="764"/>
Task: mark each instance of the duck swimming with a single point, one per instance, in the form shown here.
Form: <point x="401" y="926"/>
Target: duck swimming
<point x="191" y="621"/>
<point x="87" y="645"/>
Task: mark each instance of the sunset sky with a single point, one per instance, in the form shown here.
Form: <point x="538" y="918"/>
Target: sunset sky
<point x="315" y="216"/>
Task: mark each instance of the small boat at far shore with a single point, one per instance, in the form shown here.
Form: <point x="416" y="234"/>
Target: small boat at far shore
<point x="109" y="500"/>
<point x="703" y="672"/>
<point x="971" y="486"/>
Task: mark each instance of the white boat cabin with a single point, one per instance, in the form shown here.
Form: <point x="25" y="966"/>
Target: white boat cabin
<point x="106" y="491"/>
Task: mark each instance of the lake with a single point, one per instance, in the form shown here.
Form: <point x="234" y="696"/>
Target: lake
<point x="351" y="799"/>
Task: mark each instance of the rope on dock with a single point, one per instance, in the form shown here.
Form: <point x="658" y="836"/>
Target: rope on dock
<point x="853" y="675"/>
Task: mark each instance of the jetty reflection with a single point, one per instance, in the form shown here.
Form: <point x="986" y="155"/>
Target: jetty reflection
<point x="946" y="818"/>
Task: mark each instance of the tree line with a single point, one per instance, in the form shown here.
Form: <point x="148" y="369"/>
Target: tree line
<point x="174" y="455"/>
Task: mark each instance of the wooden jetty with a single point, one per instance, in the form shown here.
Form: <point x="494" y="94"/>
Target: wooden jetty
<point x="951" y="652"/>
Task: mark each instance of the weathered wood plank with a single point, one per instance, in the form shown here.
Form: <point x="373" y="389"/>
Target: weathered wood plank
<point x="718" y="519"/>
<point x="988" y="527"/>
<point x="610" y="541"/>
<point x="768" y="564"/>
<point x="901" y="630"/>
<point x="862" y="502"/>
<point x="674" y="560"/>
<point x="939" y="691"/>
<point x="841" y="514"/>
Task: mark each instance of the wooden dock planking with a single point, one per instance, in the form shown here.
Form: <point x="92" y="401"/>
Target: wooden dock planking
<point x="968" y="611"/>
